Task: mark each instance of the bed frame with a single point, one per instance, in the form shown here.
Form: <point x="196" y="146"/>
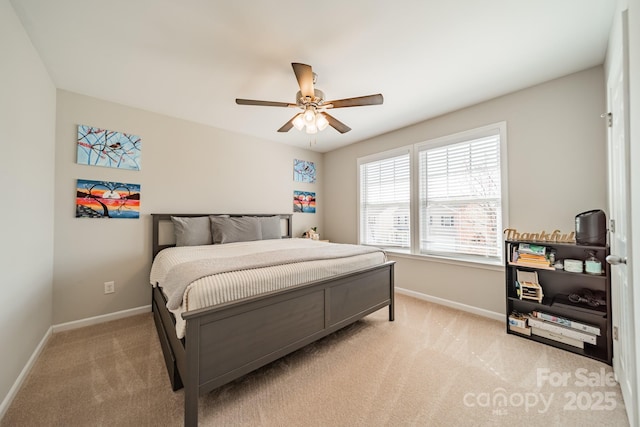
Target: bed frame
<point x="227" y="341"/>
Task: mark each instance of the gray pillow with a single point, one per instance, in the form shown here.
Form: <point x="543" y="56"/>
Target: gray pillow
<point x="235" y="229"/>
<point x="192" y="231"/>
<point x="270" y="226"/>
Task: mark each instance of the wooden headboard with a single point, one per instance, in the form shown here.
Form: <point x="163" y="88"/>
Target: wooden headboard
<point x="163" y="228"/>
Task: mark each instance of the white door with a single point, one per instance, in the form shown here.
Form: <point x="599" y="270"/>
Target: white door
<point x="619" y="238"/>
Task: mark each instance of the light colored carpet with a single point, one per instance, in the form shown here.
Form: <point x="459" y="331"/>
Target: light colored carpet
<point x="433" y="366"/>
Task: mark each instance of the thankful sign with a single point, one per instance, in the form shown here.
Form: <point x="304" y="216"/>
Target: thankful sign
<point x="556" y="236"/>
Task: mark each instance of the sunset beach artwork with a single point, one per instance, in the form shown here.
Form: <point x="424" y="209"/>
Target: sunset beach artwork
<point x="304" y="201"/>
<point x="105" y="199"/>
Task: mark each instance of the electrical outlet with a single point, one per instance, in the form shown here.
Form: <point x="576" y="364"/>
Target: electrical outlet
<point x="109" y="287"/>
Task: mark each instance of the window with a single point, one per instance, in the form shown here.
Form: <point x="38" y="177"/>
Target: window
<point x="459" y="182"/>
<point x="458" y="185"/>
<point x="385" y="188"/>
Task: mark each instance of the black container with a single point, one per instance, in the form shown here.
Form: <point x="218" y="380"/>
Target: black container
<point x="591" y="228"/>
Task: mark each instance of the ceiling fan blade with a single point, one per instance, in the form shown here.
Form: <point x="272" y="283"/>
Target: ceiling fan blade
<point x="287" y="126"/>
<point x="240" y="101"/>
<point x="304" y="74"/>
<point x="357" y="102"/>
<point x="335" y="123"/>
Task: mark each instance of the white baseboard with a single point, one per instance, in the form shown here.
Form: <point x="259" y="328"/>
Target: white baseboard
<point x="100" y="319"/>
<point x="23" y="375"/>
<point x="453" y="304"/>
<point x="58" y="328"/>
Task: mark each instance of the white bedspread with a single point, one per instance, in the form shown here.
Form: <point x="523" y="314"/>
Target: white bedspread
<point x="229" y="281"/>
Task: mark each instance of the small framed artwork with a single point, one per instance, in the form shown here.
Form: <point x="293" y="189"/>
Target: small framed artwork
<point x="304" y="171"/>
<point x="304" y="201"/>
<point x="105" y="199"/>
<point x="101" y="147"/>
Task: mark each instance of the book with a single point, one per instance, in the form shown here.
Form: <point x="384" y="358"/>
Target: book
<point x="532" y="265"/>
<point x="514" y="253"/>
<point x="533" y="259"/>
<point x="521" y="330"/>
<point x="562" y="330"/>
<point x="530" y="255"/>
<point x="567" y="322"/>
<point x="528" y="248"/>
<point x="556" y="337"/>
<point x="517" y="319"/>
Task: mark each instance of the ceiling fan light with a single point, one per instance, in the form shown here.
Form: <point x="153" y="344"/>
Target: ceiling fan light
<point x="309" y="116"/>
<point x="321" y="122"/>
<point x="298" y="122"/>
<point x="311" y="128"/>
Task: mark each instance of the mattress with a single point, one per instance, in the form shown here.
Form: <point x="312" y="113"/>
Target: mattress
<point x="227" y="286"/>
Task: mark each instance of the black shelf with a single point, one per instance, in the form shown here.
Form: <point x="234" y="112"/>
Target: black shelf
<point x="546" y="302"/>
<point x="561" y="245"/>
<point x="556" y="286"/>
<point x="561" y="272"/>
<point x="591" y="351"/>
<point x="563" y="302"/>
<point x="559" y="303"/>
<point x="583" y="275"/>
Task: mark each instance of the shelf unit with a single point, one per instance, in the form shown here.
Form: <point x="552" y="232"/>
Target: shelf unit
<point x="556" y="286"/>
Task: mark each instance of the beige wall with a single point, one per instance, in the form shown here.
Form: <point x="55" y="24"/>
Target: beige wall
<point x="186" y="167"/>
<point x="27" y="127"/>
<point x="557" y="169"/>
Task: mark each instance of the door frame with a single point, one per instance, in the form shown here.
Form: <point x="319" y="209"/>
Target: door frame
<point x="629" y="380"/>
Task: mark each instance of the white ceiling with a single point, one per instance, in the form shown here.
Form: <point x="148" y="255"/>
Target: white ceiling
<point x="190" y="59"/>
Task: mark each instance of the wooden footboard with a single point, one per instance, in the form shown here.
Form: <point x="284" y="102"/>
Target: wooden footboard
<point x="227" y="341"/>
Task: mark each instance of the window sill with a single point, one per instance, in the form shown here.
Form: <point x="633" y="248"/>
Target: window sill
<point x="489" y="265"/>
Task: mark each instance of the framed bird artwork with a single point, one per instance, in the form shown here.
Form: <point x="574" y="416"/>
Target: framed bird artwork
<point x="102" y="147"/>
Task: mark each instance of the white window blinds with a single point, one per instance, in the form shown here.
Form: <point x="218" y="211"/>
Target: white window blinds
<point x="460" y="198"/>
<point x="385" y="189"/>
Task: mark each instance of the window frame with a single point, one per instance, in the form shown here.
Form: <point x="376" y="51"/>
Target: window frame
<point x="396" y="152"/>
<point x="414" y="204"/>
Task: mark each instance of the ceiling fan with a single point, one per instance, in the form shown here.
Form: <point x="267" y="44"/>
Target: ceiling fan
<point x="314" y="117"/>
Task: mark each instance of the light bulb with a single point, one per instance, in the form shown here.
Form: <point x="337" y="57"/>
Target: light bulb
<point x="298" y="122"/>
<point x="311" y="128"/>
<point x="309" y="116"/>
<point x="321" y="121"/>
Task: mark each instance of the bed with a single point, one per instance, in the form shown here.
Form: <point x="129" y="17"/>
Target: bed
<point x="205" y="347"/>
